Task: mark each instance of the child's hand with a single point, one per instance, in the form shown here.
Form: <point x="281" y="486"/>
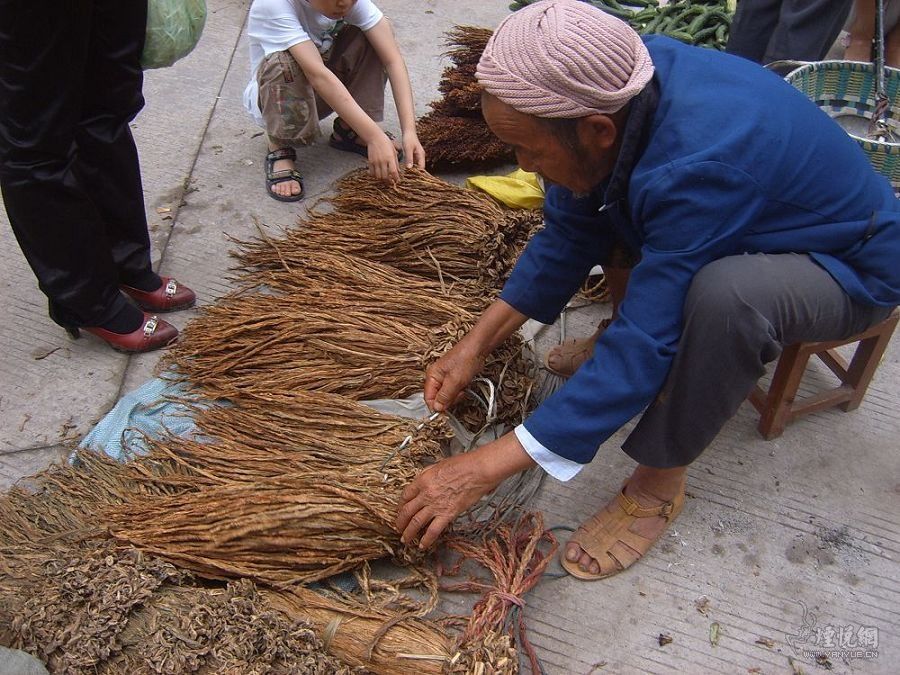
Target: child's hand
<point x="413" y="152"/>
<point x="383" y="159"/>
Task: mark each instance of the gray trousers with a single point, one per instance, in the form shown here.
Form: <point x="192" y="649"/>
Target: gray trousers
<point x="773" y="30"/>
<point x="739" y="313"/>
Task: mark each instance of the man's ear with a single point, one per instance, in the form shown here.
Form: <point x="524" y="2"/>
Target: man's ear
<point x="598" y="131"/>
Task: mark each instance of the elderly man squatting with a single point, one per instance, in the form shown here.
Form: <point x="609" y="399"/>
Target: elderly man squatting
<point x="758" y="223"/>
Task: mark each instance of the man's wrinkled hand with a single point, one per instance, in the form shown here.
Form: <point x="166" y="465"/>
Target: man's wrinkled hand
<point x="439" y="494"/>
<point x="446" y="378"/>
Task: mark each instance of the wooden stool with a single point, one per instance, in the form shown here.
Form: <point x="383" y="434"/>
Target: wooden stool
<point x="778" y="407"/>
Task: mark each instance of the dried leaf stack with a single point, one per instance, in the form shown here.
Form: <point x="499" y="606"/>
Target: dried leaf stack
<point x="454" y="134"/>
<point x="286" y="488"/>
<point x="423" y="226"/>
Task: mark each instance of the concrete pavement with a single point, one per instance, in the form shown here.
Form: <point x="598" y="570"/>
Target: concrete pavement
<point x="800" y="532"/>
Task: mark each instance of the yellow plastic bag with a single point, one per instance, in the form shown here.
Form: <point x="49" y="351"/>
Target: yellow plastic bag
<point x="173" y="30"/>
<point x="518" y="190"/>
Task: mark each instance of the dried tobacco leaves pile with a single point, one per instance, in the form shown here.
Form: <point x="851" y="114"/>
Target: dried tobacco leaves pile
<point x="153" y="565"/>
<point x="454" y="134"/>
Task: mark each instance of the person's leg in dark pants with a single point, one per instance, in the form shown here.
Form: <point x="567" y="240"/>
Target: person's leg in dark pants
<point x="738" y="314"/>
<point x="774" y="30"/>
<point x="107" y="163"/>
<point x="752" y="27"/>
<point x="807" y="30"/>
<point x="43" y="60"/>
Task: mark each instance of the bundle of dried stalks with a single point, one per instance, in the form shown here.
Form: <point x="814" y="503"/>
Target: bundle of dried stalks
<point x="189" y="629"/>
<point x="68" y="604"/>
<point x="378" y="639"/>
<point x="462" y="94"/>
<point x="423" y="226"/>
<point x="259" y="343"/>
<point x="516" y="555"/>
<point x="331" y="275"/>
<point x="456" y="143"/>
<point x="333" y="279"/>
<point x="254" y="344"/>
<point x="466" y="44"/>
<point x="61" y="503"/>
<point x="278" y="433"/>
<point x="454" y="133"/>
<point x="292" y="529"/>
<point x="293" y="487"/>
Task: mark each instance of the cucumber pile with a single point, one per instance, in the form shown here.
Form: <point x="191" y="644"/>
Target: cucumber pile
<point x="704" y="23"/>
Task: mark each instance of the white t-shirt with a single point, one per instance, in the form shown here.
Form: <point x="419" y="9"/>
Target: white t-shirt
<point x="277" y="25"/>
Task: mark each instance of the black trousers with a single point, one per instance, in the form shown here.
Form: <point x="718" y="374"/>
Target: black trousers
<point x="70" y="83"/>
<point x="774" y="30"/>
<point x="739" y="313"/>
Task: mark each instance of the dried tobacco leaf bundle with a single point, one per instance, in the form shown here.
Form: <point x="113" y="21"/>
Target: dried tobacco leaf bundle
<point x="289" y="487"/>
<point x="60" y="504"/>
<point x="275" y="433"/>
<point x="466" y="44"/>
<point x="379" y="639"/>
<point x="454" y="134"/>
<point x="291" y="529"/>
<point x="334" y="277"/>
<point x="422" y="226"/>
<point x="256" y="343"/>
<point x="189" y="629"/>
<point x="462" y="93"/>
<point x="455" y="142"/>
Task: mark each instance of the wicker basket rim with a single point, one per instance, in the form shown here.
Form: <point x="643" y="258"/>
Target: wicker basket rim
<point x="836" y="64"/>
<point x="853" y="66"/>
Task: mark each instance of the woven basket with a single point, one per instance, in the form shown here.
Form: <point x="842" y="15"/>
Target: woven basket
<point x="847" y="88"/>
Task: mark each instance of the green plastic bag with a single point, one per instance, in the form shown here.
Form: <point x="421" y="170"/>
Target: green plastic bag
<point x="173" y="30"/>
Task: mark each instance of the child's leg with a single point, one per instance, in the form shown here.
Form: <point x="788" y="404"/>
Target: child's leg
<point x="358" y="67"/>
<point x="288" y="105"/>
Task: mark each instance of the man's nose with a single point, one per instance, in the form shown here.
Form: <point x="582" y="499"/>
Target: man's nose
<point x="525" y="163"/>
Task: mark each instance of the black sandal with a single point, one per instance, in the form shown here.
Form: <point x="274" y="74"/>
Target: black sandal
<point x="274" y="177"/>
<point x="344" y="138"/>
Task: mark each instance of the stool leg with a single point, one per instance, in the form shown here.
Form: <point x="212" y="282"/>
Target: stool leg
<point x="863" y="366"/>
<point x="783" y="390"/>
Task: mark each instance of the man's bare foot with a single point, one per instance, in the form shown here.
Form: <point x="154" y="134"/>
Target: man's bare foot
<point x="649" y="489"/>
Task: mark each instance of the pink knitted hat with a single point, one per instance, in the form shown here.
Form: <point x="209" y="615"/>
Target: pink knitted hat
<point x="564" y="58"/>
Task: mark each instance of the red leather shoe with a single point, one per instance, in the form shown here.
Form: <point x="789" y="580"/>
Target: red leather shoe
<point x="152" y="334"/>
<point x="169" y="297"/>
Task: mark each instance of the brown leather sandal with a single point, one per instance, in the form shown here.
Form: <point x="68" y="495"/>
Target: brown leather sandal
<point x="572" y="353"/>
<point x="607" y="537"/>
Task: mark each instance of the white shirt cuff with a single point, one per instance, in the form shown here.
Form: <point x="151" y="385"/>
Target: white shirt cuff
<point x="559" y="467"/>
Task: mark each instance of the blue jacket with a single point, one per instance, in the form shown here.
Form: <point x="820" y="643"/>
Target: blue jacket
<point x="727" y="159"/>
